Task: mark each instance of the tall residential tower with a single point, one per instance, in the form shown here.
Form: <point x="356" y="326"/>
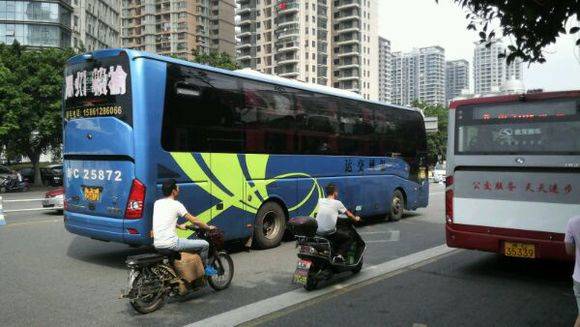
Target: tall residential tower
<point x="176" y="27"/>
<point x="96" y="24"/>
<point x="385" y="70"/>
<point x="491" y="72"/>
<point x="457" y="78"/>
<point x="419" y="75"/>
<point x="326" y="42"/>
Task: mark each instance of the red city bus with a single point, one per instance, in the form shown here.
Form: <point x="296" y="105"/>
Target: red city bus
<point x="513" y="173"/>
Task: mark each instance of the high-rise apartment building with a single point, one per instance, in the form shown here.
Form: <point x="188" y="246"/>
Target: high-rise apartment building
<point x="419" y="75"/>
<point x="96" y="24"/>
<point x="385" y="70"/>
<point x="36" y="23"/>
<point x="176" y="27"/>
<point x="491" y="72"/>
<point x="457" y="78"/>
<point x="356" y="57"/>
<point x="326" y="42"/>
<point x="290" y="39"/>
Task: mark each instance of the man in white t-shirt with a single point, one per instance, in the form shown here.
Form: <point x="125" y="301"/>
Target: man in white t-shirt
<point x="571" y="240"/>
<point x="328" y="210"/>
<point x="166" y="211"/>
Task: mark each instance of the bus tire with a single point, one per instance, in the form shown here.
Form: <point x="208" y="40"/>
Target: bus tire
<point x="270" y="225"/>
<point x="397" y="206"/>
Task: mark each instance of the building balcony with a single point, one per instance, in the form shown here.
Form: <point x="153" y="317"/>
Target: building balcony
<point x="348" y="17"/>
<point x="245" y="21"/>
<point x="286" y="7"/>
<point x="348" y="53"/>
<point x="346" y="4"/>
<point x="244" y="46"/>
<point x="244" y="57"/>
<point x="287" y="33"/>
<point x="347" y="29"/>
<point x="346" y="77"/>
<point x="289" y="74"/>
<point x="287" y="46"/>
<point x="345" y="41"/>
<point x="287" y="59"/>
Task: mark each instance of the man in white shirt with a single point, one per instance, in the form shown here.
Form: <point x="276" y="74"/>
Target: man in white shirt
<point x="328" y="210"/>
<point x="166" y="211"/>
<point x="571" y="239"/>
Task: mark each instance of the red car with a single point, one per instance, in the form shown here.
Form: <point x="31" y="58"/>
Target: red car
<point x="54" y="199"/>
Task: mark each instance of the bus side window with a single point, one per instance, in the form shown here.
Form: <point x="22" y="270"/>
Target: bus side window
<point x="317" y="124"/>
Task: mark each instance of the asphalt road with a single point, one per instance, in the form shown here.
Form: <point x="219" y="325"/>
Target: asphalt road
<point x="51" y="277"/>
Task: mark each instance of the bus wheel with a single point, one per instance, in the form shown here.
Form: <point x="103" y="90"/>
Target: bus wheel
<point x="397" y="206"/>
<point x="270" y="226"/>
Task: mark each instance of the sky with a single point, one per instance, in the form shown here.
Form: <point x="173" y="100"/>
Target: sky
<point x="412" y="24"/>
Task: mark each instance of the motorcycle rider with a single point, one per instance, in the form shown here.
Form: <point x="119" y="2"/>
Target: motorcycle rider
<point x="166" y="211"/>
<point x="328" y="210"/>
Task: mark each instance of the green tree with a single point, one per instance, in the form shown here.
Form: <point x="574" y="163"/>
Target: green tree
<point x="30" y="100"/>
<point x="215" y="59"/>
<point x="533" y="24"/>
<point x="436" y="142"/>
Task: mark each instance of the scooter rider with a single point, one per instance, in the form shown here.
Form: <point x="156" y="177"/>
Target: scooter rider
<point x="166" y="211"/>
<point x="328" y="210"/>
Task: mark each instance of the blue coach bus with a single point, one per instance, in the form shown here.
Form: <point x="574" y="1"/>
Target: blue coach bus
<point x="248" y="151"/>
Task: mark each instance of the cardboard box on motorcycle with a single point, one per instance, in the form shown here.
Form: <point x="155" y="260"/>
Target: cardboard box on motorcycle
<point x="190" y="267"/>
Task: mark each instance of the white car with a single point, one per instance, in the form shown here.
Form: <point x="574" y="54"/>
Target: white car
<point x="54" y="199"/>
<point x="439" y="173"/>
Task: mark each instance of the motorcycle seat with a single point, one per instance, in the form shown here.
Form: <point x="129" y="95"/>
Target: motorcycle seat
<point x="170" y="254"/>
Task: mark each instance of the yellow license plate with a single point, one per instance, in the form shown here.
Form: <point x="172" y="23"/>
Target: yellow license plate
<point x="520" y="250"/>
<point x="92" y="193"/>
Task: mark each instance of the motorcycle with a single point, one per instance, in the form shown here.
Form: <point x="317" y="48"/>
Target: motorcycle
<point x="153" y="276"/>
<point x="317" y="260"/>
<point x="8" y="184"/>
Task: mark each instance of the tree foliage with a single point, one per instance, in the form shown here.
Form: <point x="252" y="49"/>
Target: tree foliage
<point x="215" y="59"/>
<point x="533" y="24"/>
<point x="436" y="142"/>
<point x="30" y="100"/>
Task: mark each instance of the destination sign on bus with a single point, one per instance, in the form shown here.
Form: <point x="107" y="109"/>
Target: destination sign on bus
<point x="527" y="110"/>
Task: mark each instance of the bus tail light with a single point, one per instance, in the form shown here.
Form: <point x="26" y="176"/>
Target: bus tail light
<point x="449" y="199"/>
<point x="136" y="200"/>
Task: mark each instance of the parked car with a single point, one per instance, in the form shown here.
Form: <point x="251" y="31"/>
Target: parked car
<point x="439" y="173"/>
<point x="6" y="172"/>
<point x="54" y="199"/>
<point x="52" y="175"/>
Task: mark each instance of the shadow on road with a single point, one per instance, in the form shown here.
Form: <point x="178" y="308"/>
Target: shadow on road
<point x="535" y="271"/>
<point x="101" y="253"/>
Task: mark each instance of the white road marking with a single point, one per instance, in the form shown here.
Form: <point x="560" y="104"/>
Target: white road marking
<point x="264" y="307"/>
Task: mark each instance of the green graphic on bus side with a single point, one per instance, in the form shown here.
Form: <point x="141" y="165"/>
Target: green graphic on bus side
<point x="228" y="171"/>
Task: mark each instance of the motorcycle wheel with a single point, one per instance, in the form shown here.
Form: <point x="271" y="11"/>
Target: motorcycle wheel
<point x="312" y="281"/>
<point x="225" y="265"/>
<point x="358" y="267"/>
<point x="149" y="302"/>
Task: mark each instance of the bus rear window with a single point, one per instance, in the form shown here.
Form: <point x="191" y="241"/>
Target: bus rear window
<point x="98" y="88"/>
<point x="539" y="127"/>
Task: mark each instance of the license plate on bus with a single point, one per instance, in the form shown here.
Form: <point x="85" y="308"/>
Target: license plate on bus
<point x="301" y="273"/>
<point x="92" y="193"/>
<point x="520" y="250"/>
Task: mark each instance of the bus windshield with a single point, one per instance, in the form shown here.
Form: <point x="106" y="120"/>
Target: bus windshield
<point x="539" y="127"/>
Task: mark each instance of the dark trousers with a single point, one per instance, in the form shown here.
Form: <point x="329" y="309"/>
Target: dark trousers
<point x="340" y="241"/>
